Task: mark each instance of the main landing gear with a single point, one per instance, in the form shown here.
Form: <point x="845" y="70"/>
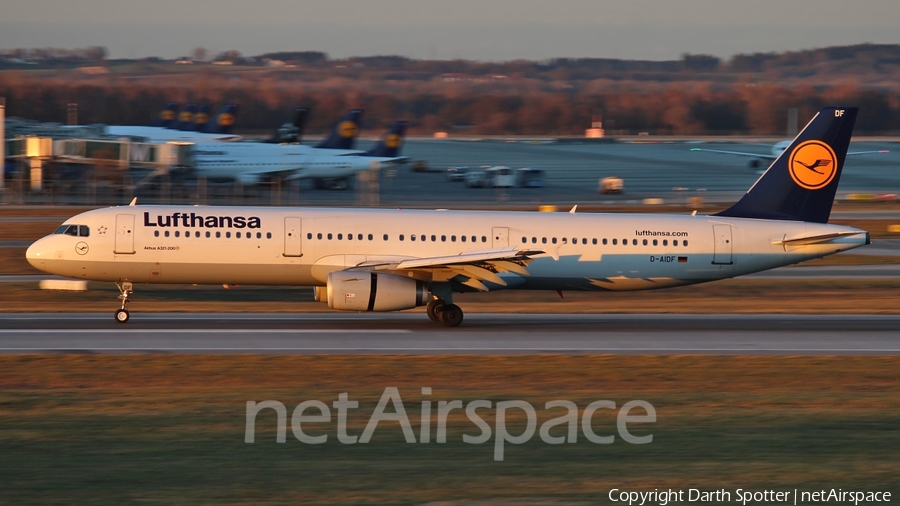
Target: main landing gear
<point x="439" y="311"/>
<point x="125" y="291"/>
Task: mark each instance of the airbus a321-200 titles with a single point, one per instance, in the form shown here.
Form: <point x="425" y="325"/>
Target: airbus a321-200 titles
<point x="391" y="259"/>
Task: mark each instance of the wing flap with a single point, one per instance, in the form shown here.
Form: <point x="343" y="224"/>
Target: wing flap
<point x="469" y="257"/>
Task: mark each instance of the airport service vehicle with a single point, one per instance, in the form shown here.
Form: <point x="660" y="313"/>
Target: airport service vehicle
<point x="476" y="178"/>
<point x="501" y="177"/>
<point x="530" y="177"/>
<point x="611" y="184"/>
<point x="758" y="159"/>
<point x="457" y="173"/>
<point x="395" y="259"/>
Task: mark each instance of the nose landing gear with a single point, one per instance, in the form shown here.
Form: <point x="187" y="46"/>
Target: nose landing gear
<point x="125" y="291"/>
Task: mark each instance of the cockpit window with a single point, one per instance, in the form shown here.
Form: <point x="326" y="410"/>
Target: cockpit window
<point x="74" y="230"/>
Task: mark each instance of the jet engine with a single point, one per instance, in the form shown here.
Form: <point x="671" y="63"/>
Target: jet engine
<point x="372" y="291"/>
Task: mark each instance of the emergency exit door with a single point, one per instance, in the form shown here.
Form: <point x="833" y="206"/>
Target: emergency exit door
<point x="723" y="247"/>
<point x="124" y="234"/>
<point x="500" y="236"/>
<point x="293" y="237"/>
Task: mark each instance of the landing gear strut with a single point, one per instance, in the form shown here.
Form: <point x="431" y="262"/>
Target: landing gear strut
<point x="125" y="291"/>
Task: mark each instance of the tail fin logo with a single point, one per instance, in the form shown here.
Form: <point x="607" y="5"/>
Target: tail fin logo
<point x="201" y="118"/>
<point x="185" y="116"/>
<point x="347" y="129"/>
<point x="226" y="119"/>
<point x="392" y="141"/>
<point x="167" y="115"/>
<point x="812" y="165"/>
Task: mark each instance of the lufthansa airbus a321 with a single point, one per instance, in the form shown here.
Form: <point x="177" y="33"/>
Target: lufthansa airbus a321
<point x="389" y="259"/>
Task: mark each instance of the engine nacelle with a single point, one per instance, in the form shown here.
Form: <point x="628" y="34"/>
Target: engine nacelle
<point x="372" y="291"/>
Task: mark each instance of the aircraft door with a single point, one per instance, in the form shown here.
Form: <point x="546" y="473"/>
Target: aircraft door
<point x="124" y="234"/>
<point x="501" y="236"/>
<point x="293" y="238"/>
<point x="722" y="248"/>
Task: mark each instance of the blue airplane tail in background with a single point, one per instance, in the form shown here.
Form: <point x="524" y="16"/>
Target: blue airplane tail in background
<point x="168" y="116"/>
<point x="201" y="117"/>
<point x="392" y="142"/>
<point x="344" y="132"/>
<point x="186" y="118"/>
<point x="224" y="121"/>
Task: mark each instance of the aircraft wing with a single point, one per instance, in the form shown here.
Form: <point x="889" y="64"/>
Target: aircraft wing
<point x="762" y="156"/>
<point x="471" y="268"/>
<point x="867" y="152"/>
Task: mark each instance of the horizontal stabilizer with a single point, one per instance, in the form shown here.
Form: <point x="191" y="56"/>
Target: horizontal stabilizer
<point x="816" y="239"/>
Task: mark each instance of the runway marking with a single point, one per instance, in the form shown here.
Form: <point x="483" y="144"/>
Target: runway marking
<point x="227" y="317"/>
<point x="806" y="350"/>
<point x="203" y="331"/>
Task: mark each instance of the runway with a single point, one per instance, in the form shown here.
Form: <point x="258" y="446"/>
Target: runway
<point x="480" y="334"/>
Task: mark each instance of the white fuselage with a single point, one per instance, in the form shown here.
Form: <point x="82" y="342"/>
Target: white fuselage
<point x="255" y="169"/>
<point x="300" y="246"/>
<point x="159" y="134"/>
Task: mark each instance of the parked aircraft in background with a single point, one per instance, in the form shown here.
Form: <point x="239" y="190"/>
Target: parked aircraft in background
<point x="290" y="133"/>
<point x="393" y="259"/>
<point x="763" y="160"/>
<point x="221" y="129"/>
<point x="253" y="163"/>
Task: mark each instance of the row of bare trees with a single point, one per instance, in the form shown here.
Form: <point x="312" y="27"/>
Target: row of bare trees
<point x="528" y="107"/>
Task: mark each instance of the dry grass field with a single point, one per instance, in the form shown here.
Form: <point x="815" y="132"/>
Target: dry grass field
<point x="81" y="429"/>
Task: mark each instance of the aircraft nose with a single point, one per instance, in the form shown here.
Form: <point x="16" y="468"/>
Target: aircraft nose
<point x="36" y="254"/>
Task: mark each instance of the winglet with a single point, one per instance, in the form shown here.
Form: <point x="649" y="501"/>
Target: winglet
<point x="572" y="211"/>
<point x="133" y="202"/>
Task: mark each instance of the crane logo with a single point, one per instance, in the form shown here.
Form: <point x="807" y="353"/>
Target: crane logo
<point x="167" y="115"/>
<point x="185" y="116"/>
<point x="392" y="141"/>
<point x="226" y="119"/>
<point x="812" y="165"/>
<point x="348" y="129"/>
<point x="201" y="118"/>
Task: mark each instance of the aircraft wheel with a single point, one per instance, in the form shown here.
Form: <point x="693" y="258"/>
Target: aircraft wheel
<point x="122" y="315"/>
<point x="433" y="309"/>
<point x="451" y="315"/>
